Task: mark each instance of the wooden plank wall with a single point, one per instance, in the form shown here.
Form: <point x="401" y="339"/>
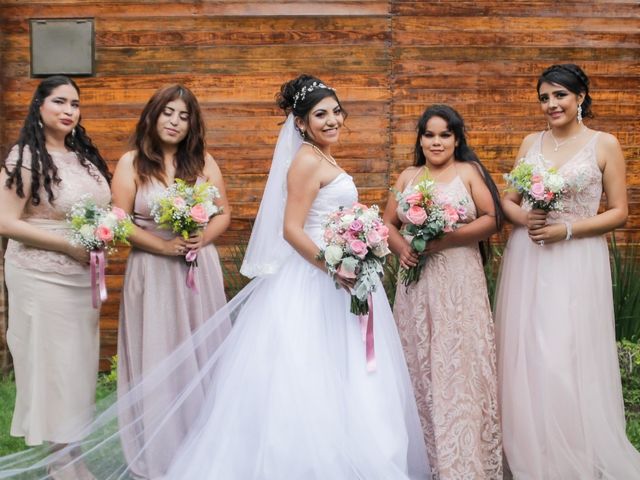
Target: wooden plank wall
<point x="484" y="57"/>
<point x="387" y="59"/>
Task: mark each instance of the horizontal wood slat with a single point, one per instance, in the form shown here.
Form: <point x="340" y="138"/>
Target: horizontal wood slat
<point x="387" y="59"/>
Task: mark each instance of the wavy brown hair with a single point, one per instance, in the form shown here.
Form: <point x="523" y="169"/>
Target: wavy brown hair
<point x="149" y="159"/>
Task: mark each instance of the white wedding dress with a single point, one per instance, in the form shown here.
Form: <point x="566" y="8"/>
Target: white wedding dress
<point x="287" y="395"/>
<point x="292" y="398"/>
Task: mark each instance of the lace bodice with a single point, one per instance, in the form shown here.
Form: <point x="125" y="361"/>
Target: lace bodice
<point x="341" y="192"/>
<point x="75" y="182"/>
<point x="583" y="177"/>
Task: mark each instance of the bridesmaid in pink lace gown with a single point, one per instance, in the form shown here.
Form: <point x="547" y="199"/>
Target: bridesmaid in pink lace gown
<point x="53" y="327"/>
<point x="445" y="318"/>
<point x="158" y="310"/>
<point x="562" y="409"/>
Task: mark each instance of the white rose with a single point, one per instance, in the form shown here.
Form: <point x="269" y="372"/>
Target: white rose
<point x="110" y="220"/>
<point x="87" y="232"/>
<point x="333" y="255"/>
<point x="554" y="182"/>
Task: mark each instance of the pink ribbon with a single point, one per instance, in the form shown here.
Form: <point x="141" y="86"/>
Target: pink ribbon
<point x="366" y="327"/>
<point x="99" y="285"/>
<point x="191" y="257"/>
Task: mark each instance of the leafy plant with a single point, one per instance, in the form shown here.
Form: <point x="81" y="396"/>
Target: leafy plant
<point x="625" y="277"/>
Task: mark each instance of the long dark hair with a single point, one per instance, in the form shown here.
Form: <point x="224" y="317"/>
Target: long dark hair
<point x="462" y="153"/>
<point x="44" y="171"/>
<point x="571" y="77"/>
<point x="149" y="159"/>
<point x="300" y="95"/>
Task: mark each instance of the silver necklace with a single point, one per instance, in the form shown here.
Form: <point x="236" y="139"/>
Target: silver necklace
<point x="328" y="158"/>
<point x="566" y="140"/>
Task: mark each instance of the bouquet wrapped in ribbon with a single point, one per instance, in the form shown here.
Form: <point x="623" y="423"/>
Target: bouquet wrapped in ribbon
<point x="185" y="209"/>
<point x="430" y="215"/>
<point x="356" y="248"/>
<point x="98" y="229"/>
<point x="541" y="188"/>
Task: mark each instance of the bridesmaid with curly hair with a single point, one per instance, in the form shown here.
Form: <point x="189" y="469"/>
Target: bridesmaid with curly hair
<point x="53" y="330"/>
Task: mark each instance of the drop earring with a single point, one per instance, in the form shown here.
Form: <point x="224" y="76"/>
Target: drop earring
<point x="579" y="115"/>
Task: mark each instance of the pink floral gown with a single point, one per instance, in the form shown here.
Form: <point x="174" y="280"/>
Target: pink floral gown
<point x="447" y="332"/>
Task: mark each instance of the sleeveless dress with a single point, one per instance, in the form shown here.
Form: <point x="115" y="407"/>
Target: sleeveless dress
<point x="562" y="409"/>
<point x="157" y="313"/>
<point x="53" y="332"/>
<point x="447" y="332"/>
<point x="291" y="397"/>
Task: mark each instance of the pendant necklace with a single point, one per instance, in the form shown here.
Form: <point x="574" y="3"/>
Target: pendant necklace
<point x="328" y="158"/>
<point x="567" y="140"/>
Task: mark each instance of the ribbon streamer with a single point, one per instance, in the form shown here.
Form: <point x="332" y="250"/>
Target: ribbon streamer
<point x="366" y="327"/>
<point x="191" y="257"/>
<point x="98" y="285"/>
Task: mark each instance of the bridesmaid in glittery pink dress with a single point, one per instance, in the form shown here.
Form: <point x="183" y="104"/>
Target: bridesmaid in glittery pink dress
<point x="444" y="319"/>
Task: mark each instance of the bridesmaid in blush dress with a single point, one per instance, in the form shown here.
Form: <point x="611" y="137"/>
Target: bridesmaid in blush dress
<point x="562" y="410"/>
<point x="158" y="310"/>
<point x="444" y="319"/>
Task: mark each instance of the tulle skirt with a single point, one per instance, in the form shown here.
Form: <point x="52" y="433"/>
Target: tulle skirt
<point x="291" y="397"/>
<point x="562" y="409"/>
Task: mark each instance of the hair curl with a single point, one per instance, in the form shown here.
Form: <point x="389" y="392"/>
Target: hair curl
<point x="44" y="171"/>
<point x="461" y="153"/>
<point x="573" y="78"/>
<point x="190" y="157"/>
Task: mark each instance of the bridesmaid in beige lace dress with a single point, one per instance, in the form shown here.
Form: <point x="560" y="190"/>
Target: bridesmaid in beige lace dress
<point x="53" y="328"/>
<point x="158" y="310"/>
<point x="445" y="318"/>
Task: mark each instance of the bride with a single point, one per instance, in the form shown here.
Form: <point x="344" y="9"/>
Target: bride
<point x="289" y="395"/>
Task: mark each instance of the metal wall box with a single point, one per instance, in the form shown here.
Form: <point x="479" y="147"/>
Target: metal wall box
<point x="62" y="46"/>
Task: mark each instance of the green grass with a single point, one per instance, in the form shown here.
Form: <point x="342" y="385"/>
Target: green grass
<point x="9" y="444"/>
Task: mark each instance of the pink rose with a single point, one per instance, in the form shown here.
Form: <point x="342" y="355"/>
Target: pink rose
<point x="537" y="191"/>
<point x="416" y="215"/>
<point x="199" y="213"/>
<point x="179" y="202"/>
<point x="359" y="248"/>
<point x="373" y="238"/>
<point x="345" y="273"/>
<point x="414" y="198"/>
<point x="450" y="214"/>
<point x="383" y="231"/>
<point x="119" y="213"/>
<point x="536" y="178"/>
<point x="356" y="226"/>
<point x="104" y="233"/>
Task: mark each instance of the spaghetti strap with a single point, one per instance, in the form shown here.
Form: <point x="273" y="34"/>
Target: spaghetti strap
<point x="410" y="182"/>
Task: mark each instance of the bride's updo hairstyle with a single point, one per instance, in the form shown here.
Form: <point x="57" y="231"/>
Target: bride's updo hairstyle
<point x="300" y="95"/>
<point x="571" y="77"/>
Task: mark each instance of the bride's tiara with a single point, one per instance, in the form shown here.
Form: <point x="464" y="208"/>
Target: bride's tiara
<point x="300" y="94"/>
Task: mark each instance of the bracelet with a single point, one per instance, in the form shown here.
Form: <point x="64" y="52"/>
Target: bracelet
<point x="569" y="232"/>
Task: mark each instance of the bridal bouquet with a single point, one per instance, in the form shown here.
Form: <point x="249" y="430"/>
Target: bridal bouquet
<point x="356" y="247"/>
<point x="542" y="188"/>
<point x="98" y="229"/>
<point x="184" y="209"/>
<point x="430" y="216"/>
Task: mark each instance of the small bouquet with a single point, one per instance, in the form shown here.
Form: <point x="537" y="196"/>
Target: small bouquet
<point x="98" y="229"/>
<point x="184" y="209"/>
<point x="356" y="247"/>
<point x="542" y="188"/>
<point x="430" y="216"/>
